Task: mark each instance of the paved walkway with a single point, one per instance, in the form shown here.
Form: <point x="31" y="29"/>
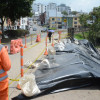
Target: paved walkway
<point x="31" y="54"/>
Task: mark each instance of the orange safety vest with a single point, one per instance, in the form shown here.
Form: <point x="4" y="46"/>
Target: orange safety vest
<point x="5" y="65"/>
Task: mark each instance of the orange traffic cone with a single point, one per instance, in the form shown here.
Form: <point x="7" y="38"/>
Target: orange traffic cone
<point x="53" y="44"/>
<point x="46" y="53"/>
<point x="18" y="87"/>
<point x="59" y="32"/>
<point x="38" y="38"/>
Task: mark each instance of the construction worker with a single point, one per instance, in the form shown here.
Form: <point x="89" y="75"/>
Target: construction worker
<point x="5" y="65"/>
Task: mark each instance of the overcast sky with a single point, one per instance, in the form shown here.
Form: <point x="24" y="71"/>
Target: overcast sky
<point x="78" y="5"/>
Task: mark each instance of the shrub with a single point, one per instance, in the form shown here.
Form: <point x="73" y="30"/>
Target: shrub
<point x="53" y="28"/>
<point x="16" y="33"/>
<point x="79" y="36"/>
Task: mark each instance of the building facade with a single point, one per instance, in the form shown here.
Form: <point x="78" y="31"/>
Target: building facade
<point x="55" y="22"/>
<point x="51" y="6"/>
<point x="76" y="23"/>
<point x="63" y="7"/>
<point x="40" y="8"/>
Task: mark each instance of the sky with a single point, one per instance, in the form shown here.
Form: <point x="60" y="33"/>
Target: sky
<point x="76" y="5"/>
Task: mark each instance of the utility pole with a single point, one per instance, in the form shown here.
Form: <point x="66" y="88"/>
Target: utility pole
<point x="56" y="18"/>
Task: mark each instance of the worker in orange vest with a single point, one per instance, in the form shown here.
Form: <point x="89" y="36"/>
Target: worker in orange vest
<point x="5" y="65"/>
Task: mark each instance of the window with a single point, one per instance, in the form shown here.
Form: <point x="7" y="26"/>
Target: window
<point x="53" y="22"/>
<point x="59" y="22"/>
<point x="53" y="18"/>
<point x="22" y="21"/>
<point x="75" y="22"/>
<point x="75" y="26"/>
<point x="58" y="19"/>
<point x="75" y="18"/>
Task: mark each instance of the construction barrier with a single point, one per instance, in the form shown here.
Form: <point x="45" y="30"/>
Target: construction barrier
<point x="46" y="53"/>
<point x="15" y="46"/>
<point x="38" y="38"/>
<point x="22" y="71"/>
<point x="59" y="32"/>
<point x="21" y="53"/>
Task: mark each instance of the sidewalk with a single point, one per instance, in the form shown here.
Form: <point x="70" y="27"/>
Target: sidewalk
<point x="31" y="54"/>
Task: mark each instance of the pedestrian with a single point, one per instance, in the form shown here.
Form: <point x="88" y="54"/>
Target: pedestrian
<point x="5" y="65"/>
<point x="49" y="35"/>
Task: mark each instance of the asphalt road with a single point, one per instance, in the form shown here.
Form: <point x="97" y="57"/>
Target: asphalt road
<point x="28" y="38"/>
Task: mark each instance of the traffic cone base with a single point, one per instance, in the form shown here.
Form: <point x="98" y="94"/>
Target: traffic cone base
<point x="38" y="38"/>
<point x="46" y="53"/>
<point x="18" y="87"/>
<point x="52" y="44"/>
<point x="25" y="46"/>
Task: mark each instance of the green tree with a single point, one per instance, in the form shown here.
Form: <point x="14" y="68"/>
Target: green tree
<point x="64" y="13"/>
<point x="83" y="21"/>
<point x="74" y="12"/>
<point x="14" y="9"/>
<point x="94" y="33"/>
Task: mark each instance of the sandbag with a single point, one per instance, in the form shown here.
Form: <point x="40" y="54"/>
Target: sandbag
<point x="28" y="85"/>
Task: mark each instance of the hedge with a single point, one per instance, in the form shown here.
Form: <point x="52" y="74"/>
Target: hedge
<point x="16" y="33"/>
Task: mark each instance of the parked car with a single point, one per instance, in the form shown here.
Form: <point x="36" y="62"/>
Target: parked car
<point x="44" y="30"/>
<point x="34" y="29"/>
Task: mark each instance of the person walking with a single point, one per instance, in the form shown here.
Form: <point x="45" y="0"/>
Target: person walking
<point x="50" y="32"/>
<point x="49" y="35"/>
<point x="5" y="65"/>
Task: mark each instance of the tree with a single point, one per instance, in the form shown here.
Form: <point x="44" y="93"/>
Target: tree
<point x="14" y="9"/>
<point x="64" y="13"/>
<point x="83" y="21"/>
<point x="74" y="12"/>
<point x="94" y="34"/>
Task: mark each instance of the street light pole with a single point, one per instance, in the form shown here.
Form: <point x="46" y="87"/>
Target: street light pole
<point x="56" y="19"/>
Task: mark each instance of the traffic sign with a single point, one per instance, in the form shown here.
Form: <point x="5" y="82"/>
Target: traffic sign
<point x="65" y="20"/>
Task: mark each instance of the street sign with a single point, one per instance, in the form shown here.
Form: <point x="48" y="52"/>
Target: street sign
<point x="65" y="20"/>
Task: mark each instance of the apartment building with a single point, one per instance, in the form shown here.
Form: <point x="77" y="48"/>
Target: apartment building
<point x="55" y="18"/>
<point x="21" y="23"/>
<point x="76" y="22"/>
<point x="55" y="22"/>
<point x="40" y="8"/>
<point x="63" y="7"/>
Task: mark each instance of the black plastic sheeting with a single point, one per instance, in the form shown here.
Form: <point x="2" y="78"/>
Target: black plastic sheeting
<point x="74" y="67"/>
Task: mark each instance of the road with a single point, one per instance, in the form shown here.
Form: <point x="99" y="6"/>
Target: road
<point x="28" y="38"/>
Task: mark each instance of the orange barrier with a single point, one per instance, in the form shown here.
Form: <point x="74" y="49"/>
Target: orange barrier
<point x="59" y="32"/>
<point x="46" y="53"/>
<point x="15" y="46"/>
<point x="25" y="42"/>
<point x="22" y="71"/>
<point x="21" y="53"/>
<point x="38" y="38"/>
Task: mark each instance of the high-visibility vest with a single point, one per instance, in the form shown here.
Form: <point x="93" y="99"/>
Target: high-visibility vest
<point x="3" y="74"/>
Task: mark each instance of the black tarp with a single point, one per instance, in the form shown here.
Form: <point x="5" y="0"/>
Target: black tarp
<point x="74" y="67"/>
